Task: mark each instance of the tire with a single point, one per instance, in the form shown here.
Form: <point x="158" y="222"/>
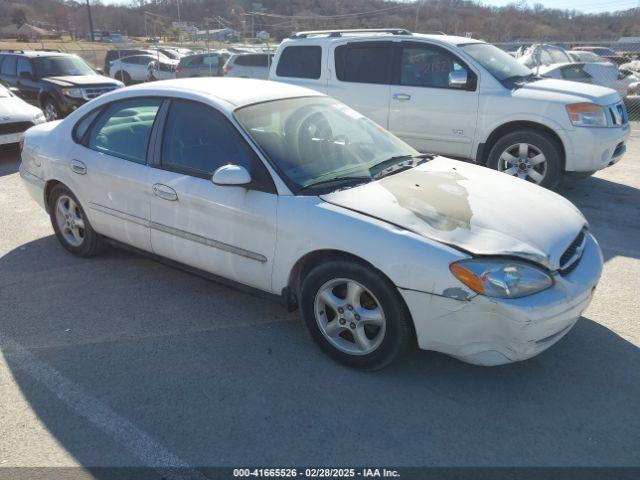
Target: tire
<point x="87" y="242"/>
<point x="51" y="109"/>
<point x="385" y="339"/>
<point x="123" y="76"/>
<point x="508" y="156"/>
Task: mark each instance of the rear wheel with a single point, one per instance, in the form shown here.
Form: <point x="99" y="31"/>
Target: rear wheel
<point x="354" y="314"/>
<point x="530" y="155"/>
<point x="71" y="225"/>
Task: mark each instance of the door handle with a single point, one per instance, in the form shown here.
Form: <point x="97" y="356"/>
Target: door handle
<point x="164" y="192"/>
<point x="401" y="97"/>
<point x="78" y="167"/>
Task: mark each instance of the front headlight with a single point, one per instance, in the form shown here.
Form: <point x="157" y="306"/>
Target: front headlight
<point x="587" y="115"/>
<point x="73" y="92"/>
<point x="39" y="118"/>
<point x="501" y="278"/>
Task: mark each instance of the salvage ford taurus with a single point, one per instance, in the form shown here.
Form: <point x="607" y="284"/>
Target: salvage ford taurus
<point x="293" y="193"/>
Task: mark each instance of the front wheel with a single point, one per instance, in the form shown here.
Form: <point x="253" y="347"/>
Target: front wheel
<point x="71" y="225"/>
<point x="354" y="314"/>
<point x="530" y="155"/>
<point x="51" y="110"/>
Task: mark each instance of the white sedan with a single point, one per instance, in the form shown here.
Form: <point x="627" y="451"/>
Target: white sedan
<point x="292" y="193"/>
<point x="16" y="116"/>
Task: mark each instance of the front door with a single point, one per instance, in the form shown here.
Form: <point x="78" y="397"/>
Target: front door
<point x="229" y="231"/>
<point x="428" y="113"/>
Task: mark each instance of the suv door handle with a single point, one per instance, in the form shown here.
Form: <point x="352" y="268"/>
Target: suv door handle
<point x="78" y="167"/>
<point x="164" y="192"/>
<point x="401" y="97"/>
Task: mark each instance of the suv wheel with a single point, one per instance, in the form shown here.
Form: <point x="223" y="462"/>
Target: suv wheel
<point x="50" y="109"/>
<point x="124" y="77"/>
<point x="528" y="154"/>
<point x="354" y="314"/>
<point x="71" y="225"/>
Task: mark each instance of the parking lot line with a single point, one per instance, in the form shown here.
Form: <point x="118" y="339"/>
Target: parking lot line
<point x="130" y="437"/>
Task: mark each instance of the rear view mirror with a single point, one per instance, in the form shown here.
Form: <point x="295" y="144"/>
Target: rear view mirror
<point x="458" y="79"/>
<point x="231" y="175"/>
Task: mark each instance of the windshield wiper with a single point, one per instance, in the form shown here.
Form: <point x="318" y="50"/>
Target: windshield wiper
<point x="351" y="180"/>
<point x="397" y="163"/>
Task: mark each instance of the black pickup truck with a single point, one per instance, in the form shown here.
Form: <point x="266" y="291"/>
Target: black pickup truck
<point x="56" y="82"/>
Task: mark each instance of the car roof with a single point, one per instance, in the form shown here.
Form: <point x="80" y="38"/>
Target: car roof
<point x="36" y="53"/>
<point x="320" y="36"/>
<point x="237" y="92"/>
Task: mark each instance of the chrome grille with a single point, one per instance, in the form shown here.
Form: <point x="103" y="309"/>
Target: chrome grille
<point x="93" y="92"/>
<point x="572" y="255"/>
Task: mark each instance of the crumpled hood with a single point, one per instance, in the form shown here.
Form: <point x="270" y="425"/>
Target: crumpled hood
<point x="14" y="109"/>
<point x="81" y="80"/>
<point x="471" y="207"/>
<point x="565" y="90"/>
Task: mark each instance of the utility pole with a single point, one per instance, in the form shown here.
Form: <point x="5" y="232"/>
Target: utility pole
<point x="90" y="21"/>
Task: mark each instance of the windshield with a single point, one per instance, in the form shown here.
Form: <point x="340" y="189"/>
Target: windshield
<point x="316" y="140"/>
<point x="61" y="66"/>
<point x="498" y="62"/>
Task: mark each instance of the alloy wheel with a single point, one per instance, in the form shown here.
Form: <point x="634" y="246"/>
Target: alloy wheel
<point x="525" y="161"/>
<point x="69" y="219"/>
<point x="349" y="316"/>
<point x="50" y="112"/>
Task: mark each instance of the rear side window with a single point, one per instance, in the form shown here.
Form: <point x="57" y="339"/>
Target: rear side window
<point x="83" y="125"/>
<point x="364" y="62"/>
<point x="575" y="72"/>
<point x="124" y="128"/>
<point x="197" y="140"/>
<point x="300" y="62"/>
<point x="24" y="66"/>
<point x="8" y="66"/>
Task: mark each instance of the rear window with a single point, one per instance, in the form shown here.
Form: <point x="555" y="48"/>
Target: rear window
<point x="8" y="66"/>
<point x="261" y="60"/>
<point x="300" y="62"/>
<point x="364" y="62"/>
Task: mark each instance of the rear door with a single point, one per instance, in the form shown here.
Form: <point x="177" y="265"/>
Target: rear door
<point x="26" y="80"/>
<point x="426" y="111"/>
<point x="361" y="77"/>
<point x="229" y="231"/>
<point x="111" y="153"/>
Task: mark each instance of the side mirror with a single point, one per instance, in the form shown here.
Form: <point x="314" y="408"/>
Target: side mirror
<point x="458" y="79"/>
<point x="234" y="175"/>
<point x="26" y="75"/>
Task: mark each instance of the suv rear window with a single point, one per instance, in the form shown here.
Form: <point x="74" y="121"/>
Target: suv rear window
<point x="300" y="62"/>
<point x="260" y="60"/>
<point x="364" y="62"/>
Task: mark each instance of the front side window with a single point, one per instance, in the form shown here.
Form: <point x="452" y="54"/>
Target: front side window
<point x="197" y="140"/>
<point x="124" y="128"/>
<point x="497" y="62"/>
<point x="318" y="139"/>
<point x="426" y="66"/>
<point x="61" y="66"/>
<point x="300" y="62"/>
<point x="365" y="62"/>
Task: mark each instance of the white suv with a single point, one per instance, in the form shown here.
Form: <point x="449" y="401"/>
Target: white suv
<point x="462" y="98"/>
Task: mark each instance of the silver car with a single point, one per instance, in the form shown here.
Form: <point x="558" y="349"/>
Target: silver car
<point x="202" y="65"/>
<point x="248" y="65"/>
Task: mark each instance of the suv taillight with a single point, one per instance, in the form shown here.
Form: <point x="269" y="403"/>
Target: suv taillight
<point x="227" y="69"/>
<point x="178" y="69"/>
<point x="21" y="142"/>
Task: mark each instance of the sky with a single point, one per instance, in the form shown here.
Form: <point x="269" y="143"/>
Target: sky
<point x="585" y="6"/>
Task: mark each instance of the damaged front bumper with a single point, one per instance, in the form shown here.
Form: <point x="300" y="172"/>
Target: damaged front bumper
<point x="494" y="331"/>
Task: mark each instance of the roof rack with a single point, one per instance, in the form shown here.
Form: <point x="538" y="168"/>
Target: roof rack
<point x="340" y="33"/>
<point x="11" y="50"/>
<point x="48" y="50"/>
